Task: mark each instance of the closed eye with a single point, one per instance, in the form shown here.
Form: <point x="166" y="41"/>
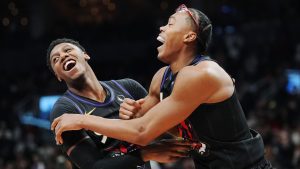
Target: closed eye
<point x="68" y="50"/>
<point x="171" y="21"/>
<point x="55" y="59"/>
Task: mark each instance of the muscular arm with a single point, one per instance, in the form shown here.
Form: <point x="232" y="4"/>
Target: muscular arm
<point x="153" y="97"/>
<point x="137" y="107"/>
<point x="193" y="87"/>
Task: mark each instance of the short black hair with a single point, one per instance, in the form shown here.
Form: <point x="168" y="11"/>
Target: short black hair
<point x="205" y="30"/>
<point x="57" y="42"/>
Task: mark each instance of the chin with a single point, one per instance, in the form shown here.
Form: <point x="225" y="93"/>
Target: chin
<point x="77" y="75"/>
<point x="74" y="75"/>
<point x="78" y="82"/>
<point x="162" y="58"/>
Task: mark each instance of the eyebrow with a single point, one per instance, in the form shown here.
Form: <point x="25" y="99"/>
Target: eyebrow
<point x="51" y="56"/>
<point x="63" y="47"/>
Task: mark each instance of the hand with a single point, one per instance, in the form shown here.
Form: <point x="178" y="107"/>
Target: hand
<point x="64" y="123"/>
<point x="129" y="109"/>
<point x="166" y="151"/>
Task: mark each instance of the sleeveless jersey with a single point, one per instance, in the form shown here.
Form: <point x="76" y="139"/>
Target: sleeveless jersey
<point x="220" y="131"/>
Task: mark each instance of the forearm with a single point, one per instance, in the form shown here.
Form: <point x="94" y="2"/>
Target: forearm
<point x="119" y="129"/>
<point x="165" y="115"/>
<point x="142" y="130"/>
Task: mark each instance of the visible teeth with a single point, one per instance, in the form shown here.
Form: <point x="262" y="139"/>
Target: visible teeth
<point x="159" y="38"/>
<point x="67" y="63"/>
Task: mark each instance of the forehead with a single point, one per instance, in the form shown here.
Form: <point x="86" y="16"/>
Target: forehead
<point x="60" y="46"/>
<point x="178" y="16"/>
<point x="181" y="21"/>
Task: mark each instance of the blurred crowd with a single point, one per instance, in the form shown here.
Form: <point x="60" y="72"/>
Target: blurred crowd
<point x="257" y="52"/>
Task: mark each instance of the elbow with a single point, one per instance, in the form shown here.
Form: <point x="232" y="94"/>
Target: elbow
<point x="143" y="137"/>
<point x="142" y="140"/>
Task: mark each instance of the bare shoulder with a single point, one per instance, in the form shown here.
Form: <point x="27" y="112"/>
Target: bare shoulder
<point x="159" y="74"/>
<point x="207" y="78"/>
<point x="156" y="81"/>
<point x="209" y="71"/>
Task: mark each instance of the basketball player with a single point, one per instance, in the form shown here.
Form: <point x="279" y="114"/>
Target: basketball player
<point x="87" y="96"/>
<point x="194" y="94"/>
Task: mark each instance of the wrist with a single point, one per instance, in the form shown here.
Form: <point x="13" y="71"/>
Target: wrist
<point x="82" y="121"/>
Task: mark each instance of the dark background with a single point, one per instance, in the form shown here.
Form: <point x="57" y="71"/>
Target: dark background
<point x="255" y="41"/>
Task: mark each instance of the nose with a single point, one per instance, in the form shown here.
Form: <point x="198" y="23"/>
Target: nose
<point x="162" y="28"/>
<point x="63" y="55"/>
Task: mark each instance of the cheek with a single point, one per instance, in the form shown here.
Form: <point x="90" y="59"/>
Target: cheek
<point x="56" y="69"/>
<point x="175" y="37"/>
<point x="174" y="43"/>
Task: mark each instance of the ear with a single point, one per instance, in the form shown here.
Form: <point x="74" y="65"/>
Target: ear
<point x="86" y="56"/>
<point x="190" y="37"/>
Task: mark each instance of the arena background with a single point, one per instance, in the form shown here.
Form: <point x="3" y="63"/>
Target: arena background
<point x="256" y="41"/>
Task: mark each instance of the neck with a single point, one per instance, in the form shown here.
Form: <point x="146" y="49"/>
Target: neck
<point x="183" y="58"/>
<point x="87" y="85"/>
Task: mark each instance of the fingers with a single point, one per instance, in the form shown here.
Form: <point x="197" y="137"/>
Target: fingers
<point x="126" y="112"/>
<point x="141" y="101"/>
<point x="171" y="159"/>
<point x="124" y="116"/>
<point x="54" y="123"/>
<point x="179" y="154"/>
<point x="128" y="108"/>
<point x="177" y="141"/>
<point x="56" y="126"/>
<point x="58" y="137"/>
<point x="166" y="152"/>
<point x="129" y="101"/>
<point x="179" y="148"/>
<point x="130" y="105"/>
<point x="182" y="148"/>
<point x="58" y="132"/>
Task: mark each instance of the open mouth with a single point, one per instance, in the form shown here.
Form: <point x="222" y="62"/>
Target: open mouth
<point x="68" y="65"/>
<point x="161" y="39"/>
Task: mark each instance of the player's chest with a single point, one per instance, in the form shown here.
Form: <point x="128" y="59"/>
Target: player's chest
<point x="110" y="111"/>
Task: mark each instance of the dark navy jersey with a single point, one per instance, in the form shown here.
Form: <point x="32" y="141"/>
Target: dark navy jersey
<point x="88" y="149"/>
<point x="220" y="131"/>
